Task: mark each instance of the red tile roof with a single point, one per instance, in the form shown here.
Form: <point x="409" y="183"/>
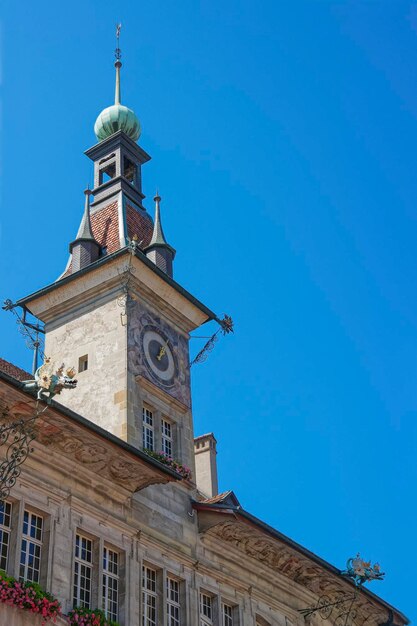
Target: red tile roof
<point x="106" y="230"/>
<point x="105" y="227"/>
<point x="14" y="371"/>
<point x="227" y="497"/>
<point x="140" y="225"/>
<point x="216" y="499"/>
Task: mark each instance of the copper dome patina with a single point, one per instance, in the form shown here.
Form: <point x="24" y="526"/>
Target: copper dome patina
<point x="114" y="118"/>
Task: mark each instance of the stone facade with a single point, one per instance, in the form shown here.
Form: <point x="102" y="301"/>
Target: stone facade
<point x="99" y="324"/>
<point x="95" y="331"/>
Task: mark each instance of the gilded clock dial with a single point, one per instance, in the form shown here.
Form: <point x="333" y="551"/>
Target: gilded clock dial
<point x="158" y="355"/>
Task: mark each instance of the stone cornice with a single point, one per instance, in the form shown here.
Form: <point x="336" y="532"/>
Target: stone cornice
<point x="164" y="397"/>
<point x="108" y="273"/>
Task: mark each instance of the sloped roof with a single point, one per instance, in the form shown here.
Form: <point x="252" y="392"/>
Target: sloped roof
<point x="106" y="228"/>
<point x="14" y="371"/>
<point x="227" y="497"/>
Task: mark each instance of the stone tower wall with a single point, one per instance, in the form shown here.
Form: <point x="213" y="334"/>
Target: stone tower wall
<point x="96" y="331"/>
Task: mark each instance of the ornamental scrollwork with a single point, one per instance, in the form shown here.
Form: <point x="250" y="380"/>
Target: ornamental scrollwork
<point x="341" y="605"/>
<point x="18" y="437"/>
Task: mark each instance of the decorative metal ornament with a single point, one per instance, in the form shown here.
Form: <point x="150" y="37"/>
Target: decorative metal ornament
<point x="361" y="571"/>
<point x="226" y="327"/>
<point x="341" y="604"/>
<point x="33" y="333"/>
<point x="50" y="381"/>
<point x="126" y="276"/>
<point x="117" y="52"/>
<point x="18" y="437"/>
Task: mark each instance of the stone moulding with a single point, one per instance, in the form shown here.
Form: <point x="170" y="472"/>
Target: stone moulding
<point x="62" y="436"/>
<point x="15" y="616"/>
<point x="230" y="526"/>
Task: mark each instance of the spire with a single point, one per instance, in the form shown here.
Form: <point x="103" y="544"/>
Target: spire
<point x="84" y="232"/>
<point x="159" y="251"/>
<point x="117" y="65"/>
<point x="158" y="236"/>
<point x="84" y="249"/>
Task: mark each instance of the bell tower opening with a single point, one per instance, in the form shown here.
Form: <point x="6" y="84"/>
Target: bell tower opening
<point x="107" y="169"/>
<point x="129" y="170"/>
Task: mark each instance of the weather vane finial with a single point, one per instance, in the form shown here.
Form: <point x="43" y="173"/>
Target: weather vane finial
<point x="117" y="52"/>
<point x="117" y="65"/>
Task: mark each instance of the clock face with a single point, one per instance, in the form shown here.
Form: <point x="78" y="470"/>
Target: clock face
<point x="158" y="356"/>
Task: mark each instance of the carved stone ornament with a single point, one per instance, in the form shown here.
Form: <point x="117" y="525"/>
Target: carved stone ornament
<point x="290" y="563"/>
<point x="72" y="441"/>
<point x="99" y="458"/>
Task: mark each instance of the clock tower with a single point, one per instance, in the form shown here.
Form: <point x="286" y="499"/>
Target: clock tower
<point x="116" y="313"/>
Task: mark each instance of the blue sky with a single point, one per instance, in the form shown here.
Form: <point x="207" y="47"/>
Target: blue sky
<point x="283" y="139"/>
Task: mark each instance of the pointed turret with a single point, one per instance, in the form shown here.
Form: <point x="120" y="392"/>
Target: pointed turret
<point x="84" y="249"/>
<point x="159" y="251"/>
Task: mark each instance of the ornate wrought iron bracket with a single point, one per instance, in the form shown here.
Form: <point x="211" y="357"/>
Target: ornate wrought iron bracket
<point x="341" y="604"/>
<point x="32" y="332"/>
<point x="226" y="327"/>
<point x="18" y="437"/>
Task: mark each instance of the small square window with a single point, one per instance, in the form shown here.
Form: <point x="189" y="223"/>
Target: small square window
<point x="83" y="363"/>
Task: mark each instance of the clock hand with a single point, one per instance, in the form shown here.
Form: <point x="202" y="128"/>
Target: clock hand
<point x="162" y="351"/>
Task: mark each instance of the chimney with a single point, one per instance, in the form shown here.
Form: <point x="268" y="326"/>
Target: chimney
<point x="206" y="465"/>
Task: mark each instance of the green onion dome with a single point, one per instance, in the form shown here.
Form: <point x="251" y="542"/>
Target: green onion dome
<point x="114" y="118"/>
